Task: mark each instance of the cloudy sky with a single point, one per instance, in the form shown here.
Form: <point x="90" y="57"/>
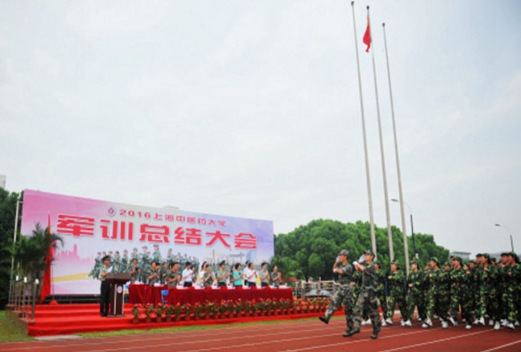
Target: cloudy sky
<point x="251" y="109"/>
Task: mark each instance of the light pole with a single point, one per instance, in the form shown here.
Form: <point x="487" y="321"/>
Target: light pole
<point x="511" y="240"/>
<point x="412" y="226"/>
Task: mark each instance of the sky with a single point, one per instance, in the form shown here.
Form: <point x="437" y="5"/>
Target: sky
<point x="251" y="109"/>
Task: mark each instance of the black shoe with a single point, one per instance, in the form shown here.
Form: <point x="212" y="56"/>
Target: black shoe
<point x="324" y="319"/>
<point x="351" y="333"/>
<point x="374" y="336"/>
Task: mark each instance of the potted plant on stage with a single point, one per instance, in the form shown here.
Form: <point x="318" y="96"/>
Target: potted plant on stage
<point x="136" y="310"/>
<point x="148" y="312"/>
<point x="159" y="312"/>
<point x="169" y="311"/>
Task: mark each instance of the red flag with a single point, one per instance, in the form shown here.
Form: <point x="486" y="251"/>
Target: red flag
<point x="47" y="277"/>
<point x="367" y="36"/>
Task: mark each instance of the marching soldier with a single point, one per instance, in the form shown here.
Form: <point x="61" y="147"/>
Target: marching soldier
<point x="381" y="292"/>
<point x="459" y="293"/>
<point x="415" y="297"/>
<point x="397" y="297"/>
<point x="344" y="295"/>
<point x="367" y="297"/>
<point x="488" y="292"/>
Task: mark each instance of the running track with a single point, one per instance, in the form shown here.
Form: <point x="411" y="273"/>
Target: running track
<point x="307" y="335"/>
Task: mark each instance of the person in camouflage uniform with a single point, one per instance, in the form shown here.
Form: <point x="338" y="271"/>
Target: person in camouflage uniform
<point x="488" y="292"/>
<point x="473" y="286"/>
<point x="435" y="281"/>
<point x="367" y="297"/>
<point x="344" y="295"/>
<point x="124" y="264"/>
<point x="510" y="275"/>
<point x="116" y="262"/>
<point x="94" y="273"/>
<point x="415" y="296"/>
<point x="381" y="292"/>
<point x="174" y="274"/>
<point x="459" y="292"/>
<point x="134" y="271"/>
<point x="397" y="297"/>
<point x="144" y="264"/>
<point x="163" y="272"/>
<point x="153" y="275"/>
<point x="156" y="255"/>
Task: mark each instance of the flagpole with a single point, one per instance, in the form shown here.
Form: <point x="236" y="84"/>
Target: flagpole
<point x="387" y="215"/>
<point x="367" y="173"/>
<point x="405" y="243"/>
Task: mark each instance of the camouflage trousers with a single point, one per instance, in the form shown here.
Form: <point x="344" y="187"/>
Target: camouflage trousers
<point x="488" y="303"/>
<point x="459" y="297"/>
<point x="416" y="299"/>
<point x="397" y="298"/>
<point x="509" y="304"/>
<point x="344" y="296"/>
<point x="437" y="302"/>
<point x="366" y="300"/>
<point x="382" y="298"/>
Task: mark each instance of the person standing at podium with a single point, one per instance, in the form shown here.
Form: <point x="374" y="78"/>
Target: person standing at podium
<point x="105" y="287"/>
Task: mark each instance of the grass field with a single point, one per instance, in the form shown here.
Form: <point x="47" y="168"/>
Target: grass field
<point x="9" y="332"/>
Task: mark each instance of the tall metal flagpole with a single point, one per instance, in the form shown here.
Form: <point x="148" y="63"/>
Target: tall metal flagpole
<point x="387" y="214"/>
<point x="367" y="173"/>
<point x="405" y="244"/>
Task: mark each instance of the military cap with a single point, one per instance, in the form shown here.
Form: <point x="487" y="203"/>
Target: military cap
<point x="434" y="259"/>
<point x="395" y="262"/>
<point x="377" y="262"/>
<point x="472" y="261"/>
<point x="505" y="254"/>
<point x="156" y="245"/>
<point x="105" y="258"/>
<point x="479" y="255"/>
<point x="486" y="255"/>
<point x="456" y="258"/>
<point x="369" y="252"/>
<point x="223" y="262"/>
<point x="344" y="252"/>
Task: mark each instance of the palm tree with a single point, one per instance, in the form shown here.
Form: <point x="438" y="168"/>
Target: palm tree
<point x="32" y="253"/>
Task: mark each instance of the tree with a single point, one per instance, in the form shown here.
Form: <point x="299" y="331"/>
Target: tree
<point x="32" y="252"/>
<point x="7" y="215"/>
<point x="310" y="250"/>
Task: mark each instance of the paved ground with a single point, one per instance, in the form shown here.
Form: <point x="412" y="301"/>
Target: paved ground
<point x="291" y="336"/>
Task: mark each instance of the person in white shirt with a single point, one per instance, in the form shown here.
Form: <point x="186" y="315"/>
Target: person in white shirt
<point x="250" y="275"/>
<point x="187" y="276"/>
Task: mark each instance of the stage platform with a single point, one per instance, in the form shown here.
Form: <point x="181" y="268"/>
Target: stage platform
<point x="66" y="319"/>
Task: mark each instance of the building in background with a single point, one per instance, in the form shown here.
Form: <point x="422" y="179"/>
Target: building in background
<point x="462" y="255"/>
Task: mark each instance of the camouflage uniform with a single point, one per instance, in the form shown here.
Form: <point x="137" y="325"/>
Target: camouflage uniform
<point x="367" y="297"/>
<point x="123" y="265"/>
<point x="381" y="292"/>
<point x="94" y="273"/>
<point x="415" y="297"/>
<point x="437" y="298"/>
<point x="460" y="295"/>
<point x="488" y="302"/>
<point x="144" y="264"/>
<point x="344" y="295"/>
<point x="510" y="275"/>
<point x="397" y="296"/>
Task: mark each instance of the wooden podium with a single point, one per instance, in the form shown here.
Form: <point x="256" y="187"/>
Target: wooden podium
<point x="117" y="301"/>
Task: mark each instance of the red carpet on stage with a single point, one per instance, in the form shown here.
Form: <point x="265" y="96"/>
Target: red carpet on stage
<point x="67" y="319"/>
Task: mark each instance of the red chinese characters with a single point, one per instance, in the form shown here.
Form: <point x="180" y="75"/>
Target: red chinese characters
<point x="245" y="241"/>
<point x="191" y="236"/>
<point x="217" y="235"/>
<point x="75" y="225"/>
<point x="119" y="230"/>
<point x="155" y="234"/>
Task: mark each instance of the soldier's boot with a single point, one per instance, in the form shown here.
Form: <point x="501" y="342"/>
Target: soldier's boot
<point x="351" y="332"/>
<point x="324" y="319"/>
<point x="348" y="325"/>
<point x="376" y="330"/>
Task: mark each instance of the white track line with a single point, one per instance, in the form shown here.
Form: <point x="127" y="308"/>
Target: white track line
<point x="503" y="346"/>
<point x="139" y="338"/>
<point x="348" y="342"/>
<point x="436" y="341"/>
